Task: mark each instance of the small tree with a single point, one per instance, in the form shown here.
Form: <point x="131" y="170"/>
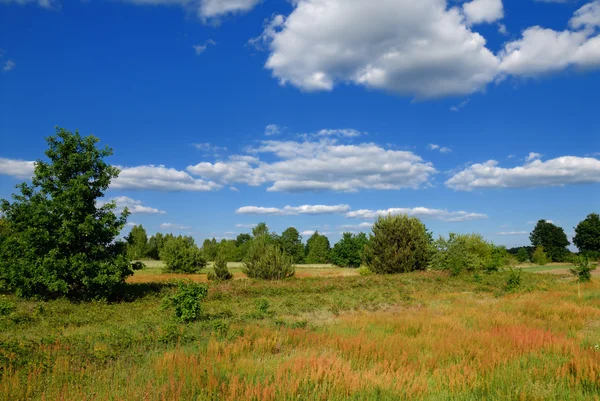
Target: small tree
<point x="317" y="249"/>
<point x="583" y="270"/>
<point x="349" y="251"/>
<point x="181" y="255"/>
<point x="398" y="244"/>
<point x="221" y="272"/>
<point x="291" y="243"/>
<point x="267" y="261"/>
<point x="539" y="256"/>
<point x="522" y="255"/>
<point x="61" y="243"/>
<point x="137" y="243"/>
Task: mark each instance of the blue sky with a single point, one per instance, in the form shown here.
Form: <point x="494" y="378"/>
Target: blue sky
<point x="318" y="114"/>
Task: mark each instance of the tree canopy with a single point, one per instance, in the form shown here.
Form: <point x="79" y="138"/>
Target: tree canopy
<point x="587" y="236"/>
<point x="348" y="252"/>
<point x="318" y="249"/>
<point x="552" y="238"/>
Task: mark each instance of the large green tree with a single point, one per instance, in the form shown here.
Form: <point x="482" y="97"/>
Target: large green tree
<point x="290" y="242"/>
<point x="155" y="245"/>
<point x="398" y="244"/>
<point x="318" y="249"/>
<point x="137" y="243"/>
<point x="348" y="251"/>
<point x="62" y="243"/>
<point x="587" y="236"/>
<point x="552" y="238"/>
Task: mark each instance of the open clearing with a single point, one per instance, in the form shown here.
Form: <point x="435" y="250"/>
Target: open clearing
<point x="424" y="336"/>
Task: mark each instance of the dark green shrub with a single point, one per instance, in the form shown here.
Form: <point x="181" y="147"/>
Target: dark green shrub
<point x="267" y="261"/>
<point x="398" y="244"/>
<point x="181" y="255"/>
<point x="6" y="307"/>
<point x="62" y="241"/>
<point x="221" y="272"/>
<point x="187" y="301"/>
<point x="513" y="282"/>
<point x="349" y="251"/>
<point x="522" y="255"/>
<point x="583" y="270"/>
<point x="539" y="256"/>
<point x="462" y="252"/>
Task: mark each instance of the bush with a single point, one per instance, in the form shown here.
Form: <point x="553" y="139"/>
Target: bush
<point x="187" y="301"/>
<point x="181" y="255"/>
<point x="522" y="255"/>
<point x="348" y="252"/>
<point x="462" y="252"/>
<point x="220" y="273"/>
<point x="398" y="244"/>
<point x="583" y="270"/>
<point x="62" y="241"/>
<point x="365" y="271"/>
<point x="539" y="256"/>
<point x="267" y="261"/>
<point x="6" y="307"/>
<point x="514" y="279"/>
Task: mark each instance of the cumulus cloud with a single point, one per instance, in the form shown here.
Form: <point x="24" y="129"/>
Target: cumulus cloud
<point x="16" y="168"/>
<point x="323" y="165"/>
<point x="441" y="149"/>
<point x="200" y="48"/>
<point x="542" y="50"/>
<point x="533" y="156"/>
<point x="293" y="210"/>
<point x="134" y="206"/>
<point x="415" y="48"/>
<point x="172" y="226"/>
<point x="513" y="233"/>
<point x="272" y="129"/>
<point x="205" y="9"/>
<point x="362" y="226"/>
<point x="420" y="212"/>
<point x="483" y="11"/>
<point x="160" y="178"/>
<point x="561" y="171"/>
<point x="9" y="65"/>
<point x="347" y="133"/>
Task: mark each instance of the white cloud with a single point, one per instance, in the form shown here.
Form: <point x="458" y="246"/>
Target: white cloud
<point x="542" y="51"/>
<point x="200" y="48"/>
<point x="205" y="9"/>
<point x="41" y="3"/>
<point x="459" y="106"/>
<point x="415" y="48"/>
<point x="322" y="165"/>
<point x="245" y="225"/>
<point x="134" y="206"/>
<point x="272" y="129"/>
<point x="9" y="65"/>
<point x="293" y="210"/>
<point x="209" y="148"/>
<point x="502" y="29"/>
<point x="307" y="233"/>
<point x="533" y="156"/>
<point x="160" y="178"/>
<point x="16" y="168"/>
<point x="513" y="233"/>
<point x="354" y="227"/>
<point x="171" y="226"/>
<point x="420" y="212"/>
<point x="483" y="11"/>
<point x="347" y="133"/>
<point x="564" y="170"/>
<point x="441" y="149"/>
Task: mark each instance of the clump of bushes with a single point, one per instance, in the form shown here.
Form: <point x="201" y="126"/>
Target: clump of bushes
<point x="539" y="257"/>
<point x="187" y="301"/>
<point x="221" y="272"/>
<point x="181" y="255"/>
<point x="583" y="270"/>
<point x="467" y="252"/>
<point x="398" y="244"/>
<point x="349" y="251"/>
<point x="267" y="261"/>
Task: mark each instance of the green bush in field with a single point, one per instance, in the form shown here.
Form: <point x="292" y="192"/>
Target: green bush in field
<point x="398" y="244"/>
<point x="349" y="251"/>
<point x="267" y="261"/>
<point x="583" y="269"/>
<point x="187" y="301"/>
<point x="181" y="255"/>
<point x="63" y="241"/>
<point x="514" y="279"/>
<point x="539" y="256"/>
<point x="522" y="255"/>
<point x="466" y="252"/>
<point x="6" y="307"/>
<point x="221" y="272"/>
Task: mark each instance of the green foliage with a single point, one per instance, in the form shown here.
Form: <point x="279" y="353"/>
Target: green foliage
<point x="242" y="242"/>
<point x="267" y="261"/>
<point x="398" y="244"/>
<point x="228" y="251"/>
<point x="583" y="270"/>
<point x="587" y="236"/>
<point x="210" y="248"/>
<point x="187" y="301"/>
<point x="539" y="256"/>
<point x="290" y="242"/>
<point x="463" y="252"/>
<point x="181" y="255"/>
<point x="513" y="281"/>
<point x="552" y="238"/>
<point x="6" y="307"/>
<point x="137" y="243"/>
<point x="62" y="243"/>
<point x="260" y="230"/>
<point x="522" y="255"/>
<point x="318" y="249"/>
<point x="365" y="271"/>
<point x="348" y="251"/>
<point x="221" y="272"/>
<point x="155" y="245"/>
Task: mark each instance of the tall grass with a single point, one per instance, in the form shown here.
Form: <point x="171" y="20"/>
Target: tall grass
<point x="423" y="336"/>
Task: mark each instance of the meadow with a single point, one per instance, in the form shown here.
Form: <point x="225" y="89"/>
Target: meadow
<point x="326" y="334"/>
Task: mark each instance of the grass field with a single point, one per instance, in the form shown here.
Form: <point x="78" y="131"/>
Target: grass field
<point x="327" y="335"/>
